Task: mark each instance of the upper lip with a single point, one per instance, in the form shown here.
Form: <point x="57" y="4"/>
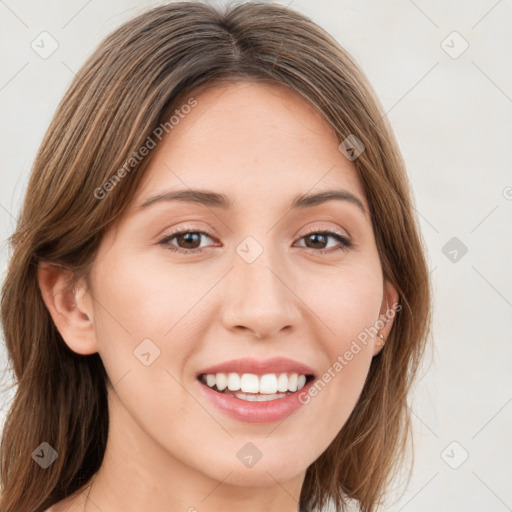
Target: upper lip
<point x="259" y="367"/>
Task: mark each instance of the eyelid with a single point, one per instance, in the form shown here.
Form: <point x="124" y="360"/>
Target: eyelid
<point x="186" y="228"/>
<point x="317" y="229"/>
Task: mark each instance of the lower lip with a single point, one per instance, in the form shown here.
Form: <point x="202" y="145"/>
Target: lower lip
<point x="255" y="412"/>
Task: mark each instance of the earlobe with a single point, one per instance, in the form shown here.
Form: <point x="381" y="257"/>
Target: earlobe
<point x="387" y="314"/>
<point x="70" y="307"/>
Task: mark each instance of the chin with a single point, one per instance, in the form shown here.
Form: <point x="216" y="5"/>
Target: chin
<point x="260" y="475"/>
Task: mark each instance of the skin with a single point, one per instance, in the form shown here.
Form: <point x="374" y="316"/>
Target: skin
<point x="169" y="448"/>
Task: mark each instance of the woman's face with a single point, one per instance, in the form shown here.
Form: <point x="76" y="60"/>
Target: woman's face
<point x="250" y="282"/>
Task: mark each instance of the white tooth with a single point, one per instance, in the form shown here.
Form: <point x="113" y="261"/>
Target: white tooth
<point x="292" y="382"/>
<point x="301" y="382"/>
<point x="282" y="383"/>
<point x="268" y="384"/>
<point x="210" y="380"/>
<point x="233" y="381"/>
<point x="249" y="383"/>
<point x="221" y="380"/>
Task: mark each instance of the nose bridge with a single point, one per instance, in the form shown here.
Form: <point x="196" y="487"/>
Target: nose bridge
<point x="261" y="297"/>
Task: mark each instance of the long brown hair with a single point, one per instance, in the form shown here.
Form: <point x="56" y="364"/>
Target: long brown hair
<point x="120" y="95"/>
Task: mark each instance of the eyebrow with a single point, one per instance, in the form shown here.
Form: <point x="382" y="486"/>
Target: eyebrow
<point x="216" y="200"/>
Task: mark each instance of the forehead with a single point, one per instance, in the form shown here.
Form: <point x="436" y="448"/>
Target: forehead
<point x="250" y="141"/>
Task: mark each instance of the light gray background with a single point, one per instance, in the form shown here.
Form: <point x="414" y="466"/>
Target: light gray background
<point x="452" y="117"/>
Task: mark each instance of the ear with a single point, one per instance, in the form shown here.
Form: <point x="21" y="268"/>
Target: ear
<point x="70" y="308"/>
<point x="388" y="310"/>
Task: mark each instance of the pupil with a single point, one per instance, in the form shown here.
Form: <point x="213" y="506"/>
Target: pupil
<point x="316" y="236"/>
<point x="188" y="236"/>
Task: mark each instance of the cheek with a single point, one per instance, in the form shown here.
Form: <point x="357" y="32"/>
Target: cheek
<point x="146" y="321"/>
<point x="345" y="301"/>
<point x="140" y="299"/>
<point x="331" y="399"/>
<point x="140" y="317"/>
<point x="347" y="307"/>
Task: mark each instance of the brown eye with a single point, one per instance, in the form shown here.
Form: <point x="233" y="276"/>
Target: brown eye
<point x="190" y="240"/>
<point x="186" y="241"/>
<point x="319" y="241"/>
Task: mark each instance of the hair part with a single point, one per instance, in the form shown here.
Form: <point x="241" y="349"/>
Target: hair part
<point x="124" y="91"/>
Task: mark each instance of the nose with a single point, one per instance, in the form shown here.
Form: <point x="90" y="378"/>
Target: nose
<point x="260" y="300"/>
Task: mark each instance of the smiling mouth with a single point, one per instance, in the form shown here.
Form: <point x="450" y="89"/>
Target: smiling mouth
<point x="256" y="388"/>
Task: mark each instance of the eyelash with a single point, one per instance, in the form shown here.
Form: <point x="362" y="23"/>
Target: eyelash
<point x="346" y="243"/>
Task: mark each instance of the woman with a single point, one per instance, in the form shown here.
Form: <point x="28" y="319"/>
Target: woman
<point x="218" y="296"/>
